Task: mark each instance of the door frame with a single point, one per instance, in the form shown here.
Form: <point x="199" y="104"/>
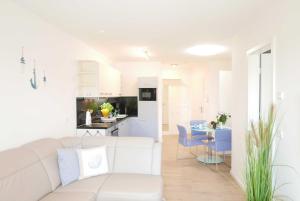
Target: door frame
<point x="262" y="48"/>
<point x="257" y="50"/>
<point x="171" y="82"/>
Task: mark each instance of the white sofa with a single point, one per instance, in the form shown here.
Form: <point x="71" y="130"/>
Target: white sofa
<point x="30" y="172"/>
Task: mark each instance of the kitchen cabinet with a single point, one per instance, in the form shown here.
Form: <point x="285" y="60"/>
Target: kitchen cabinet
<point x="109" y="82"/>
<point x="95" y="80"/>
<point x="124" y="127"/>
<point x="91" y="132"/>
<point x="119" y="129"/>
<point x="142" y="128"/>
<point x="88" y="73"/>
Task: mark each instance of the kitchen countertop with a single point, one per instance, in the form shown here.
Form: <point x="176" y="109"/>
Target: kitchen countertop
<point x="101" y="125"/>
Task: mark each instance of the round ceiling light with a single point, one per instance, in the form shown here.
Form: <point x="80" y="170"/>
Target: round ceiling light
<point x="206" y="50"/>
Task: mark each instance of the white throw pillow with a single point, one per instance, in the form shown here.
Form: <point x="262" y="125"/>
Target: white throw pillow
<point x="92" y="162"/>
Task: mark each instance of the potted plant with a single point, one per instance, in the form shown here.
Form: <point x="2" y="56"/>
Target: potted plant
<point x="106" y="109"/>
<point x="259" y="167"/>
<point x="222" y="118"/>
<point x="92" y="106"/>
<point x="214" y="124"/>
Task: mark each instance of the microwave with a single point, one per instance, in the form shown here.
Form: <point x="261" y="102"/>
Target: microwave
<point x="147" y="94"/>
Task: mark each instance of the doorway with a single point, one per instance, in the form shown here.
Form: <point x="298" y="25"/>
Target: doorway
<point x="165" y="108"/>
<point x="175" y="105"/>
<point x="260" y="83"/>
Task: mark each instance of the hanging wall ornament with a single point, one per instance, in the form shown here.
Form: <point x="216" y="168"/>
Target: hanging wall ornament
<point x="44" y="78"/>
<point x="33" y="80"/>
<point x="22" y="61"/>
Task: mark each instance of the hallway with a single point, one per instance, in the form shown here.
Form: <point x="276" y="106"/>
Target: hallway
<point x="188" y="180"/>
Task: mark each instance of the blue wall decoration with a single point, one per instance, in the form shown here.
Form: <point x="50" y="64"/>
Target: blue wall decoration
<point x="22" y="60"/>
<point x="33" y="80"/>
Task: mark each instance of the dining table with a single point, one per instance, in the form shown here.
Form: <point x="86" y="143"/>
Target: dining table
<point x="208" y="158"/>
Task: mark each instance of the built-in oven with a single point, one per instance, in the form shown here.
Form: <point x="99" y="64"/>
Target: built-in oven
<point x="147" y="94"/>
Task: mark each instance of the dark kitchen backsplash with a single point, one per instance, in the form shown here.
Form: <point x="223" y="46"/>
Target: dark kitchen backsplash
<point x="125" y="105"/>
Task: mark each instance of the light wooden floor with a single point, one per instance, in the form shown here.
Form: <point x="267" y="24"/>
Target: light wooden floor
<point x="165" y="127"/>
<point x="188" y="180"/>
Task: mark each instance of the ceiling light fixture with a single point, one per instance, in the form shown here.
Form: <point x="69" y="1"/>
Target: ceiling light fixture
<point x="141" y="52"/>
<point x="174" y="65"/>
<point x="147" y="56"/>
<point x="206" y="50"/>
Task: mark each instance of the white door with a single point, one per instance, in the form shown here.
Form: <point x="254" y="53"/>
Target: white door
<point x="179" y="111"/>
<point x="266" y="83"/>
<point x="165" y="104"/>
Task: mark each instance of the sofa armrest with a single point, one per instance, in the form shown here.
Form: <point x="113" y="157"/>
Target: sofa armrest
<point x="156" y="159"/>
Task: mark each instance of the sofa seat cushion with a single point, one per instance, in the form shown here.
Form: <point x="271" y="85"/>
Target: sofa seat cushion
<point x="70" y="196"/>
<point x="90" y="185"/>
<point x="131" y="187"/>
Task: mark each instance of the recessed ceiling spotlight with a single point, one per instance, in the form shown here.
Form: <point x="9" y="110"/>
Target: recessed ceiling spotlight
<point x="146" y="55"/>
<point x="141" y="52"/>
<point x="100" y="31"/>
<point x="174" y="65"/>
<point x="206" y="50"/>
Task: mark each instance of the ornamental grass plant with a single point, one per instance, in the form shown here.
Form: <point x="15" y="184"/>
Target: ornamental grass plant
<point x="259" y="169"/>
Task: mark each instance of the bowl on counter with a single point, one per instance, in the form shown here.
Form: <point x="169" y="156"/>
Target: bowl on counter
<point x="121" y="116"/>
<point x="108" y="119"/>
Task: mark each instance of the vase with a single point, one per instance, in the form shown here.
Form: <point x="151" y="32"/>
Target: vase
<point x="221" y="125"/>
<point x="105" y="113"/>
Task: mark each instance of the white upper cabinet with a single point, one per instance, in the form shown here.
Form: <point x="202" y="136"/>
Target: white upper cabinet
<point x="109" y="82"/>
<point x="95" y="80"/>
<point x="88" y="78"/>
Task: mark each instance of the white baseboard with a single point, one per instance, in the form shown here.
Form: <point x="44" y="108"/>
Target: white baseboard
<point x="238" y="181"/>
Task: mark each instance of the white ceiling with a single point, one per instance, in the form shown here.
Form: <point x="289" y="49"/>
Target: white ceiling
<point x="165" y="27"/>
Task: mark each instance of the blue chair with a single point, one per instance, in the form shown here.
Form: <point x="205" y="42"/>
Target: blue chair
<point x="222" y="142"/>
<point x="197" y="123"/>
<point x="186" y="142"/>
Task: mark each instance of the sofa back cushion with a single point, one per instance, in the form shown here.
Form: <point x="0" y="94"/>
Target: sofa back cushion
<point x="133" y="155"/>
<point x="30" y="172"/>
<point x="46" y="150"/>
<point x="124" y="154"/>
<point x="22" y="176"/>
<point x="92" y="141"/>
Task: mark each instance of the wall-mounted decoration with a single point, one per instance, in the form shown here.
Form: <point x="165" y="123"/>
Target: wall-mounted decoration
<point x="36" y="78"/>
<point x="33" y="80"/>
<point x="44" y="78"/>
<point x="22" y="61"/>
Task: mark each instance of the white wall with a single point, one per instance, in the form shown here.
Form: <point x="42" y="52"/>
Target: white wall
<point x="280" y="25"/>
<point x="130" y="71"/>
<point x="225" y="91"/>
<point x="200" y="80"/>
<point x="28" y="114"/>
<point x="211" y="87"/>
